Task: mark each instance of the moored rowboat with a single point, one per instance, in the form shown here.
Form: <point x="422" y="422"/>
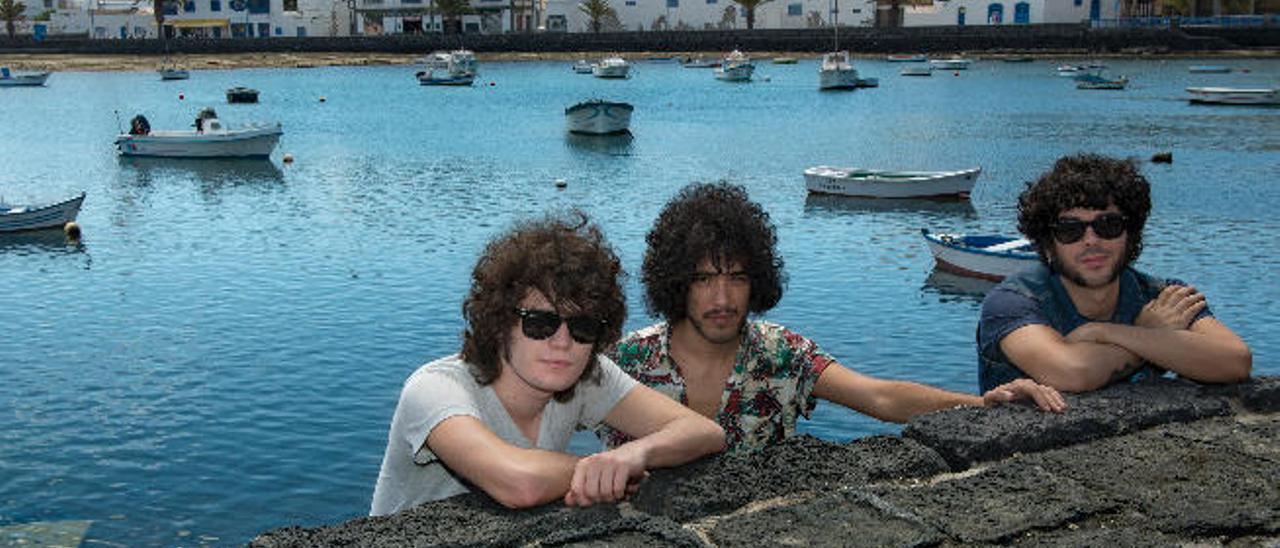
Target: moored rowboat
<point x="875" y="183"/>
<point x="990" y="257"/>
<point x="16" y="218"/>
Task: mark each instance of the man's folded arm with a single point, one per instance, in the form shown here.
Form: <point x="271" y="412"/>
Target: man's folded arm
<point x="515" y="477"/>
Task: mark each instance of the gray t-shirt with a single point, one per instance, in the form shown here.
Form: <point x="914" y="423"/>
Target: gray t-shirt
<point x="411" y="474"/>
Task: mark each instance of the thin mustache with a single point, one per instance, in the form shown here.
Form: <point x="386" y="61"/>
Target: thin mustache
<point x="715" y="311"/>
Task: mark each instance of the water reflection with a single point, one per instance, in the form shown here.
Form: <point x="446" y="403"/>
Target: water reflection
<point x="827" y="204"/>
<point x="216" y="172"/>
<point x="954" y="287"/>
<point x="612" y="145"/>
<point x="51" y="240"/>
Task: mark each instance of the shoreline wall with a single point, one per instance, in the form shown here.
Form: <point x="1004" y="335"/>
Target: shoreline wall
<point x="1154" y="464"/>
<point x="1056" y="38"/>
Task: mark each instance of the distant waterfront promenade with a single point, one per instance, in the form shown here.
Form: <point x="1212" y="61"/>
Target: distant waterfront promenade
<point x="79" y="53"/>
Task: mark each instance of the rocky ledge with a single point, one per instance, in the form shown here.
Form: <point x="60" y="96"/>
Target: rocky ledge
<point x="1158" y="464"/>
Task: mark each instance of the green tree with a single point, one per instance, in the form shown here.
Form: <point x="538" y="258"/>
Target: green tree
<point x="750" y="6"/>
<point x="451" y="12"/>
<point x="597" y="11"/>
<point x="11" y="12"/>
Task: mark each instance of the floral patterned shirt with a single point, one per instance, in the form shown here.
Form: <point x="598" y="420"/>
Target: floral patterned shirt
<point x="770" y="387"/>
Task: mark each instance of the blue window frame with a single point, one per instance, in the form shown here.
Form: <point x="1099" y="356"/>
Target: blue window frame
<point x="673" y="3"/>
<point x="1022" y="13"/>
<point x="171" y="8"/>
<point x="260" y="6"/>
<point x="215" y="5"/>
<point x="189" y="6"/>
<point x="795" y="10"/>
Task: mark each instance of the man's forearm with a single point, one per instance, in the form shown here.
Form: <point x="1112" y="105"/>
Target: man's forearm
<point x="1187" y="353"/>
<point x="679" y="441"/>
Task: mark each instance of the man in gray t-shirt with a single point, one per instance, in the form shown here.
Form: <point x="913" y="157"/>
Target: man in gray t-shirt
<point x="497" y="417"/>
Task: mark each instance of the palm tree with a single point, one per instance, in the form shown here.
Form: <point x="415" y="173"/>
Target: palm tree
<point x="451" y="11"/>
<point x="598" y="11"/>
<point x="11" y="11"/>
<point x="750" y="6"/>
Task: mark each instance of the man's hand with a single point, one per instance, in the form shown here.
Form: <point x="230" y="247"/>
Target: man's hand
<point x="610" y="476"/>
<point x="1174" y="308"/>
<point x="1046" y="397"/>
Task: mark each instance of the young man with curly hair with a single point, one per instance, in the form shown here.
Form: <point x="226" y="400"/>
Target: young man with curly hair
<point x="1084" y="318"/>
<point x="711" y="261"/>
<point x="544" y="300"/>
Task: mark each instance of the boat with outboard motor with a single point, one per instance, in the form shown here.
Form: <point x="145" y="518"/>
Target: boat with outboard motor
<point x="209" y="139"/>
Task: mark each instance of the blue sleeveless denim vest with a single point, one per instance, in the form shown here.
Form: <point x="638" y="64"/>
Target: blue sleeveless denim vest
<point x="1043" y="286"/>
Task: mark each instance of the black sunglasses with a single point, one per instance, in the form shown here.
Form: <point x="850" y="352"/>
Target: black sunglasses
<point x="1107" y="226"/>
<point x="540" y="324"/>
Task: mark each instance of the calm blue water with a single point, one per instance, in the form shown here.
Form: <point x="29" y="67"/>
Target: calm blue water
<point x="222" y="353"/>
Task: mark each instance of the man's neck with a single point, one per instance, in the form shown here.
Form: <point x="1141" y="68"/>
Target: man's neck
<point x="699" y="357"/>
<point x="1095" y="303"/>
<point x="523" y="402"/>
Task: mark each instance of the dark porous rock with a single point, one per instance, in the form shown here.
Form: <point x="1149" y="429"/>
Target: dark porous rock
<point x="802" y="463"/>
<point x="842" y="518"/>
<point x="465" y="520"/>
<point x="1072" y="537"/>
<point x="1207" y="479"/>
<point x="999" y="503"/>
<point x="638" y="532"/>
<point x="1260" y="394"/>
<point x="965" y="436"/>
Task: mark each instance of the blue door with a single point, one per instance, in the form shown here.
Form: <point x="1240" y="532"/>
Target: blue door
<point x="960" y="16"/>
<point x="1022" y="13"/>
<point x="995" y="14"/>
<point x="1095" y="10"/>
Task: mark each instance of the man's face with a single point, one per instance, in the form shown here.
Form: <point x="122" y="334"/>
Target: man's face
<point x="547" y="365"/>
<point x="718" y="300"/>
<point x="1092" y="261"/>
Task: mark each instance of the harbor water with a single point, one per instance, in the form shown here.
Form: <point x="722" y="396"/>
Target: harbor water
<point x="222" y="351"/>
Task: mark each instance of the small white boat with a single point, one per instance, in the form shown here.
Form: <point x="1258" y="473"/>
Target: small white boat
<point x="599" y="117"/>
<point x="611" y="67"/>
<point x="954" y="63"/>
<point x="1096" y="81"/>
<point x="11" y="79"/>
<point x="836" y="72"/>
<point x="1235" y="96"/>
<point x="1075" y="71"/>
<point x="444" y="77"/>
<point x="919" y="58"/>
<point x="1209" y="69"/>
<point x="582" y="66"/>
<point x="173" y="73"/>
<point x="990" y="257"/>
<point x="17" y="218"/>
<point x="210" y="139"/>
<point x="876" y="183"/>
<point x="735" y="67"/>
<point x="458" y="60"/>
<point x="924" y="70"/>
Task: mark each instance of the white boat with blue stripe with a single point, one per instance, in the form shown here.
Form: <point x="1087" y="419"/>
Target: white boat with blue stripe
<point x="599" y="117"/>
<point x="990" y="257"/>
<point x="17" y="218"/>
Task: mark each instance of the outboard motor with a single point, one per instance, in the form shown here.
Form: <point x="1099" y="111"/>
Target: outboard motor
<point x="139" y="125"/>
<point x="206" y="113"/>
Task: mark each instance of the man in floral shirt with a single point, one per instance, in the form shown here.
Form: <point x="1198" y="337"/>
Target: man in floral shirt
<point x="711" y="261"/>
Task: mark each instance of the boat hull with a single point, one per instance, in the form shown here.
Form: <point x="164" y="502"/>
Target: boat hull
<point x="738" y="73"/>
<point x="37" y="218"/>
<point x="174" y="74"/>
<point x="598" y="118"/>
<point x="958" y="254"/>
<point x="917" y="71"/>
<point x="22" y="80"/>
<point x="1235" y="96"/>
<point x="616" y="72"/>
<point x="950" y="64"/>
<point x="252" y="142"/>
<point x="890" y="184"/>
<point x="429" y="78"/>
<point x="838" y="78"/>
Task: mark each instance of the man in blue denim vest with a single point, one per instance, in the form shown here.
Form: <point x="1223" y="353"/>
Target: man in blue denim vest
<point x="1083" y="318"/>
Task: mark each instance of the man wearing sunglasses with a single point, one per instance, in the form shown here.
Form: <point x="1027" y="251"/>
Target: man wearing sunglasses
<point x="711" y="260"/>
<point x="1084" y="318"/>
<point x="544" y="300"/>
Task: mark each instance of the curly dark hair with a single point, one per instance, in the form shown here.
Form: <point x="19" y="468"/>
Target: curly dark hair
<point x="719" y="222"/>
<point x="1090" y="181"/>
<point x="567" y="259"/>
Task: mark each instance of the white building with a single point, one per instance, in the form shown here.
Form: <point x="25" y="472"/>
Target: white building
<point x="130" y="19"/>
<point x="712" y="14"/>
<point x="1007" y="12"/>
